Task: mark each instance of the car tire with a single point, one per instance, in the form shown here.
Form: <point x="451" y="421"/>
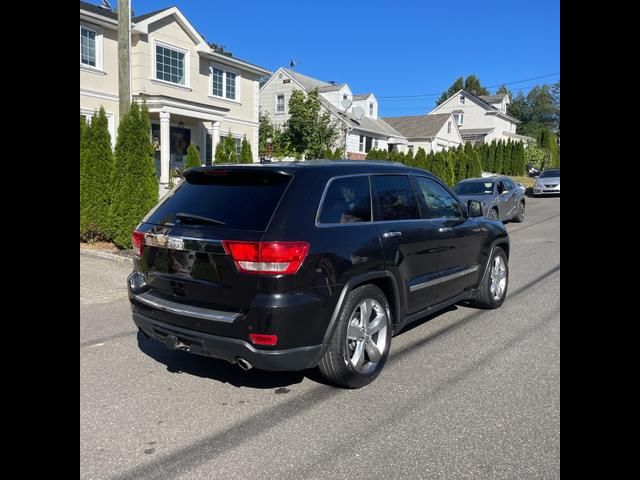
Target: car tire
<point x="492" y="292"/>
<point x="356" y="356"/>
<point x="492" y="214"/>
<point x="519" y="218"/>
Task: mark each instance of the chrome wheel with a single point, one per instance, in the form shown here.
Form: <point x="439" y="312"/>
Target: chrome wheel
<point x="367" y="336"/>
<point x="498" y="278"/>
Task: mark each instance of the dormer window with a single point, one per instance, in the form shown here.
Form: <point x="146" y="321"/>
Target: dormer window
<point x="371" y="109"/>
<point x="345" y="96"/>
<point x="459" y="117"/>
<point x="462" y="99"/>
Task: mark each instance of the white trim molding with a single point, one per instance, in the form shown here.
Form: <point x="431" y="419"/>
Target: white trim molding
<point x="101" y="95"/>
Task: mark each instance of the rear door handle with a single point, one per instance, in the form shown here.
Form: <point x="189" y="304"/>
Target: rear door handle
<point x="445" y="229"/>
<point x="391" y="234"/>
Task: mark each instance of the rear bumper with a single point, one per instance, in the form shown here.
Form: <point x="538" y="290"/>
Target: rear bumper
<point x="228" y="349"/>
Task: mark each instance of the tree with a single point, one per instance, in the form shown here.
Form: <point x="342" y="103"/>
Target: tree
<point x="246" y="155"/>
<point x="455" y="86"/>
<point x="373" y="154"/>
<point x="84" y="147"/>
<point x="408" y="157"/>
<point x="548" y="141"/>
<point x="518" y="108"/>
<point x="309" y="130"/>
<point x="420" y="160"/>
<point x="491" y="158"/>
<point x="265" y="135"/>
<point x="508" y="151"/>
<point x="475" y="165"/>
<point x="192" y="159"/>
<point x="503" y="89"/>
<point x="98" y="174"/>
<point x="472" y="84"/>
<point x="537" y="157"/>
<point x="498" y="164"/>
<point x="468" y="148"/>
<point x="135" y="189"/>
<point x="459" y="161"/>
<point x="226" y="150"/>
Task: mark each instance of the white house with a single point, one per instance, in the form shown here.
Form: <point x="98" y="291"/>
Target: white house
<point x="434" y="133"/>
<point x="481" y="119"/>
<point x="194" y="95"/>
<point x="363" y="128"/>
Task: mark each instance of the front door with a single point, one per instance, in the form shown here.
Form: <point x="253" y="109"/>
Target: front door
<point x="459" y="238"/>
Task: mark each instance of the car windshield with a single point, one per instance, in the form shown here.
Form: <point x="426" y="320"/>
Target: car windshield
<point x="474" y="188"/>
<point x="550" y="173"/>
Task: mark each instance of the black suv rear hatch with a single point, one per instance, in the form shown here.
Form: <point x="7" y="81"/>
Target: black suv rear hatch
<point x="184" y="260"/>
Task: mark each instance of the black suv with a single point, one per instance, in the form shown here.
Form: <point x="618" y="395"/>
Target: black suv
<point x="286" y="266"/>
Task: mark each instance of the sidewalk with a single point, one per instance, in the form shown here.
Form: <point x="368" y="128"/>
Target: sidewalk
<point x="103" y="277"/>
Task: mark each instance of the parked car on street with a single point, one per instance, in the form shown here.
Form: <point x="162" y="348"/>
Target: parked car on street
<point x="500" y="197"/>
<point x="548" y="183"/>
<point x="292" y="265"/>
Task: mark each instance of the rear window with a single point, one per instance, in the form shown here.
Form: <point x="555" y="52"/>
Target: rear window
<point x="347" y="201"/>
<point x="395" y="199"/>
<point x="474" y="188"/>
<point x="216" y="198"/>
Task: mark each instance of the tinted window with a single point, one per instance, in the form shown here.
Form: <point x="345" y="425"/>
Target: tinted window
<point x="394" y="198"/>
<point x="347" y="201"/>
<point x="244" y="200"/>
<point x="474" y="188"/>
<point x="550" y="173"/>
<point x="509" y="184"/>
<point x="435" y="201"/>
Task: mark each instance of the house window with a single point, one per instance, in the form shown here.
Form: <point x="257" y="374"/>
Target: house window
<point x="231" y="86"/>
<point x="462" y="99"/>
<point x="361" y="145"/>
<point x="223" y="83"/>
<point x="218" y="78"/>
<point x="344" y="96"/>
<point x="88" y="47"/>
<point x="170" y="65"/>
<point x="280" y="103"/>
<point x="375" y="143"/>
<point x="459" y="118"/>
<point x="371" y="109"/>
<point x="448" y="127"/>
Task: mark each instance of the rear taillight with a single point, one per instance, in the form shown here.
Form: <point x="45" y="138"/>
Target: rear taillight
<point x="137" y="239"/>
<point x="275" y="258"/>
<point x="263" y="339"/>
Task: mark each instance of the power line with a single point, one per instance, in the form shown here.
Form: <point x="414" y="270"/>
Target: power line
<point x="490" y="86"/>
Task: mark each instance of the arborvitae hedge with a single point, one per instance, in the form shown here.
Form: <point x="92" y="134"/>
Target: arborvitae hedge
<point x="96" y="183"/>
<point x="491" y="157"/>
<point x="193" y="157"/>
<point x="420" y="160"/>
<point x="498" y="165"/>
<point x="135" y="189"/>
<point x="475" y="166"/>
<point x="84" y="149"/>
<point x="246" y="156"/>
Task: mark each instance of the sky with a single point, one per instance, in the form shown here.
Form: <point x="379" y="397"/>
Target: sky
<point x="391" y="48"/>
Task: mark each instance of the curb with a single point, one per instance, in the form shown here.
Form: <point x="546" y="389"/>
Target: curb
<point x="106" y="256"/>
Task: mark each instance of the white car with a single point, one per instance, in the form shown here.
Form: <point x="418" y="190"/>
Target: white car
<point x="548" y="183"/>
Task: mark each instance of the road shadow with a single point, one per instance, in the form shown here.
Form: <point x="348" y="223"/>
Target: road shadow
<point x="178" y="362"/>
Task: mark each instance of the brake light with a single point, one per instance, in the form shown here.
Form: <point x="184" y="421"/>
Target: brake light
<point x="137" y="239"/>
<point x="276" y="258"/>
<point x="262" y="339"/>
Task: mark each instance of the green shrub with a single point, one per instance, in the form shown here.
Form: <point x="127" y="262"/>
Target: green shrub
<point x="192" y="159"/>
<point x="246" y="156"/>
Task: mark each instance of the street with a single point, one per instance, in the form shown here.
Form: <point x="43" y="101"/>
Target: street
<point x="466" y="394"/>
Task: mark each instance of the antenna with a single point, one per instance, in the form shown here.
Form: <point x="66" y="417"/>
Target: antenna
<point x="358" y="112"/>
<point x="105" y="4"/>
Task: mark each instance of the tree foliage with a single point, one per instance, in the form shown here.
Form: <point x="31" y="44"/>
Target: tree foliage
<point x="135" y="186"/>
<point x="246" y="155"/>
<point x="192" y="159"/>
<point x="471" y="84"/>
<point x="97" y="166"/>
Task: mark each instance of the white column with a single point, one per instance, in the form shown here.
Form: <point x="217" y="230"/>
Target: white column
<point x="165" y="151"/>
<point x="215" y="139"/>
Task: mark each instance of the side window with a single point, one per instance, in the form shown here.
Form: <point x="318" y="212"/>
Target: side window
<point x="501" y="187"/>
<point x="435" y="201"/>
<point x="509" y="185"/>
<point x="394" y="198"/>
<point x="347" y="201"/>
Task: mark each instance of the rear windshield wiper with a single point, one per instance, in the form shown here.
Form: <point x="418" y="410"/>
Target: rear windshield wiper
<point x="192" y="218"/>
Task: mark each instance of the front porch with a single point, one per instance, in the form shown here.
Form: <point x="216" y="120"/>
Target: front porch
<point x="177" y="123"/>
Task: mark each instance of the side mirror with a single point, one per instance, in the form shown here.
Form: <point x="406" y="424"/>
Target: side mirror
<point x="474" y="208"/>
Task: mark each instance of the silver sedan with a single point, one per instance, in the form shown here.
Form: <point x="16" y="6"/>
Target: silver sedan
<point x="501" y="198"/>
<point x="548" y="183"/>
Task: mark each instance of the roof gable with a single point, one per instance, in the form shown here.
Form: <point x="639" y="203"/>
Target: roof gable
<point x="419" y="126"/>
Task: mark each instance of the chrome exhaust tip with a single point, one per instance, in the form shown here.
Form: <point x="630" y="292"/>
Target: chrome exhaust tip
<point x="243" y="364"/>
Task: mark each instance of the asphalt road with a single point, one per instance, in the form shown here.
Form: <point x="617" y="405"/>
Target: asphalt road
<point x="466" y="394"/>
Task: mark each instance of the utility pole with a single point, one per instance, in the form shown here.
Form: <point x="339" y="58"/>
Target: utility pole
<point x="124" y="40"/>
